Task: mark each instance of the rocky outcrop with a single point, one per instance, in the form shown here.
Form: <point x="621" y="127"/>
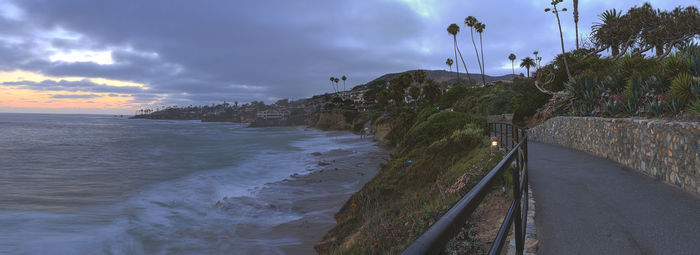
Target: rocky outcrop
<point x="333" y="120"/>
<point x="381" y="128"/>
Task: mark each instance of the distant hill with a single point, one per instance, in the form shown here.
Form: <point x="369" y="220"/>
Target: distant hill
<point x="437" y="75"/>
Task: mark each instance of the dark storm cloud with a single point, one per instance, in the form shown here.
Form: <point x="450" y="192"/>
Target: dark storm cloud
<point x="195" y="52"/>
<point x="287" y="47"/>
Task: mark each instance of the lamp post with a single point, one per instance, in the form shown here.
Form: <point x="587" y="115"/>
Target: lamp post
<point x="494" y="144"/>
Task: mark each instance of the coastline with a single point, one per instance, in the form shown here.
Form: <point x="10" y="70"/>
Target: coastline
<point x="315" y="196"/>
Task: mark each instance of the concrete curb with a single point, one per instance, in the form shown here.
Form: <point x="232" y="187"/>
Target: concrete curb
<point x="531" y="241"/>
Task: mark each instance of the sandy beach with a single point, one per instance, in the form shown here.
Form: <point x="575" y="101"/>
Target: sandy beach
<point x="316" y="195"/>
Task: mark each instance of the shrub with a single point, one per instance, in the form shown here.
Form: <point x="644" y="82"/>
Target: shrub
<point x="526" y="101"/>
<point x="694" y="107"/>
<point x="436" y="127"/>
<point x="460" y="140"/>
<point x="453" y="94"/>
<point x="681" y="89"/>
<point x="585" y="93"/>
<point x="632" y="67"/>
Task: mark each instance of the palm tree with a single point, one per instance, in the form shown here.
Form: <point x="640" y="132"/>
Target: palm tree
<point x="471" y="21"/>
<point x="332" y="85"/>
<point x="336" y="80"/>
<point x="512" y="58"/>
<point x="449" y="63"/>
<point x="537" y="59"/>
<point x="575" y="21"/>
<point x="480" y="29"/>
<point x="561" y="35"/>
<point x="604" y="32"/>
<point x="453" y="29"/>
<point x="527" y="63"/>
<point x="344" y="78"/>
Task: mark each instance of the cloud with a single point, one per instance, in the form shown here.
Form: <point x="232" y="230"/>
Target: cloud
<point x="74" y="86"/>
<point x="80" y="96"/>
<point x="200" y="52"/>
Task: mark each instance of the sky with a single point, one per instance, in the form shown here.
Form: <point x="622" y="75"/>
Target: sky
<point x="113" y="57"/>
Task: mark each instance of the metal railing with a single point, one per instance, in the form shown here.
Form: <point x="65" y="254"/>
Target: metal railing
<point x="513" y="139"/>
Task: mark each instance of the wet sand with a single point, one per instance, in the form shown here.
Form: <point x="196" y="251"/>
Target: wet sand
<point x="315" y="195"/>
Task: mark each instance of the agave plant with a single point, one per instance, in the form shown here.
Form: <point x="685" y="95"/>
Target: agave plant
<point x="695" y="107"/>
<point x="631" y="106"/>
<point x="584" y="92"/>
<point x="656" y="106"/>
<point x="681" y="88"/>
<point x="611" y="107"/>
<point x="614" y="82"/>
<point x="674" y="107"/>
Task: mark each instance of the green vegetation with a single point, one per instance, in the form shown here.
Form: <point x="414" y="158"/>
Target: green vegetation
<point x="439" y="157"/>
<point x="627" y="83"/>
<point x="441" y="151"/>
<point x="631" y="85"/>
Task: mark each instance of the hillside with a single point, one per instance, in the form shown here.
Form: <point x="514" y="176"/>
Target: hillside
<point x="438" y="76"/>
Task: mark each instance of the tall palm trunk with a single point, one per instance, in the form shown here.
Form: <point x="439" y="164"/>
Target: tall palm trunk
<point x="476" y="50"/>
<point x="454" y="44"/>
<point x="561" y="37"/>
<point x="659" y="50"/>
<point x="615" y="50"/>
<point x="512" y="66"/>
<point x="576" y="20"/>
<point x="483" y="64"/>
<point x="469" y="77"/>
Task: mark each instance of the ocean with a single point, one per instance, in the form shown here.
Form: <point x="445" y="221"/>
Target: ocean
<point x="99" y="184"/>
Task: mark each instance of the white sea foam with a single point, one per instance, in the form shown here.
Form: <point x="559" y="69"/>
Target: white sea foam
<point x="153" y="189"/>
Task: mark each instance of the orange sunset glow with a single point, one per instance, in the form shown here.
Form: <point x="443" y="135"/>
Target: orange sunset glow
<point x="19" y="97"/>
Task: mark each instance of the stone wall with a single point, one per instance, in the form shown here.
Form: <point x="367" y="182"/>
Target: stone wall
<point x="666" y="150"/>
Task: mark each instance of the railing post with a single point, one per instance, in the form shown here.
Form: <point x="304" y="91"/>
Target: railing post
<point x="517" y="221"/>
<point x="500" y="134"/>
<point x="512" y="137"/>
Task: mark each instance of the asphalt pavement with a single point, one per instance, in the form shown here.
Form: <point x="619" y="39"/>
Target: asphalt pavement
<point x="590" y="205"/>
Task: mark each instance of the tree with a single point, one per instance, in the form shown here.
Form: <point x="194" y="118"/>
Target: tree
<point x="344" y="78"/>
<point x="453" y="29"/>
<point x="336" y="80"/>
<point x="642" y="29"/>
<point x="382" y="98"/>
<point x="414" y="92"/>
<point x="332" y="85"/>
<point x="419" y="77"/>
<point x="449" y="63"/>
<point x="512" y="58"/>
<point x="561" y="35"/>
<point x="397" y="89"/>
<point x="575" y="21"/>
<point x="471" y="21"/>
<point x="480" y="29"/>
<point x="527" y="63"/>
<point x="603" y="33"/>
<point x="431" y="91"/>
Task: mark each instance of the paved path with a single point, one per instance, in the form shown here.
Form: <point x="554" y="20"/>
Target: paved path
<point x="589" y="205"/>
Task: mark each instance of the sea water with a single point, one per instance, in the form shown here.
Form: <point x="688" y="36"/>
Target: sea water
<point x="97" y="184"/>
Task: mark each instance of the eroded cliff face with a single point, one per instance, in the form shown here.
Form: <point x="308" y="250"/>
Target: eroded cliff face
<point x="333" y="120"/>
<point x="381" y="128"/>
